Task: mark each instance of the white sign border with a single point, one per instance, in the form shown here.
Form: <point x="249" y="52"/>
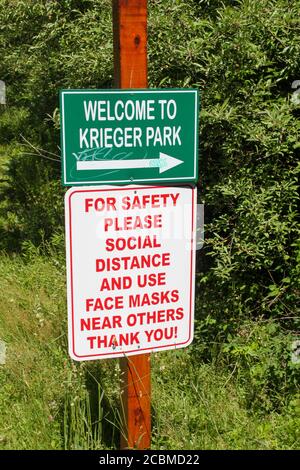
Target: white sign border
<point x="69" y="262"/>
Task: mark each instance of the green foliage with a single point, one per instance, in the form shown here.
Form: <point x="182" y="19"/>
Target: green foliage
<point x="12" y="123"/>
<point x="244" y="56"/>
<point x="45" y="46"/>
<point x="262" y="355"/>
<point x="48" y="401"/>
<point x="82" y="424"/>
<point x="32" y="378"/>
<point x="51" y="45"/>
<point x="198" y="406"/>
<point x="35" y="197"/>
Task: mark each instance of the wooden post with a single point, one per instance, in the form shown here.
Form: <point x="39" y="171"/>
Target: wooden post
<point x="130" y="60"/>
<point x="130" y="43"/>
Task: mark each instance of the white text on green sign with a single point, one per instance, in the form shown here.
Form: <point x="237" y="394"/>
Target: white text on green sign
<point x="124" y="136"/>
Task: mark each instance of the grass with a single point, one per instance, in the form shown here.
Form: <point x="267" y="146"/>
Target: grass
<point x="49" y="402"/>
<point x="32" y="380"/>
<point x="198" y="406"/>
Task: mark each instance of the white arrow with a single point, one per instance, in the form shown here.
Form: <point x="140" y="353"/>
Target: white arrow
<point x="164" y="162"/>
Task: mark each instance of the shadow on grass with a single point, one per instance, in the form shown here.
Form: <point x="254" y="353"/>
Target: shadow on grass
<point x="109" y="406"/>
<point x="90" y="412"/>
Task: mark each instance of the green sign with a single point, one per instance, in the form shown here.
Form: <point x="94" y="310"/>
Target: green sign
<point x="129" y="136"/>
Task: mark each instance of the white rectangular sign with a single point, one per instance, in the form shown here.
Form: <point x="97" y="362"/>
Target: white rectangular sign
<point x="130" y="269"/>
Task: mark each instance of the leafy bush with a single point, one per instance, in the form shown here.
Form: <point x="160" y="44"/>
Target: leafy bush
<point x="45" y="46"/>
<point x="244" y="56"/>
<point x="12" y="123"/>
<point x="35" y="197"/>
<point x="262" y="355"/>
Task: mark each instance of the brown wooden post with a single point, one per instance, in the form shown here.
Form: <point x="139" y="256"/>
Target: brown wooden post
<point x="130" y="60"/>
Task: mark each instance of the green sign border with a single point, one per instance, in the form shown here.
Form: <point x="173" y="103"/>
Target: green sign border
<point x="193" y="178"/>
